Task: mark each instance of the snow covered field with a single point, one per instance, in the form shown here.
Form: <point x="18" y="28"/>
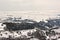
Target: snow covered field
<point x="35" y="15"/>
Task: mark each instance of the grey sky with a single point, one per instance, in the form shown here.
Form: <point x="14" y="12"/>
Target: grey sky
<point x="29" y="5"/>
<point x="35" y="9"/>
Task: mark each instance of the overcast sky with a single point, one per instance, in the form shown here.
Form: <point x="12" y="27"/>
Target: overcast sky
<point x="32" y="8"/>
<point x="29" y="5"/>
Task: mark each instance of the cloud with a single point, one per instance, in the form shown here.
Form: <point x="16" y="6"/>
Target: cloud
<point x="29" y="5"/>
<point x="17" y="5"/>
